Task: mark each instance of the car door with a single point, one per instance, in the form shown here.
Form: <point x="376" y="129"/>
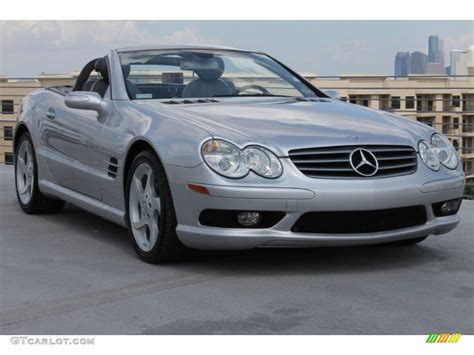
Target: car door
<point x="70" y="140"/>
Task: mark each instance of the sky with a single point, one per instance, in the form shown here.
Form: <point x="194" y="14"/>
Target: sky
<point x="28" y="48"/>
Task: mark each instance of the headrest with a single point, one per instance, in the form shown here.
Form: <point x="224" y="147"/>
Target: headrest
<point x="126" y="70"/>
<point x="101" y="67"/>
<point x="211" y="74"/>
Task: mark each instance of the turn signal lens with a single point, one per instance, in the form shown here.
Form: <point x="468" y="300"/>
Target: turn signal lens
<point x="199" y="189"/>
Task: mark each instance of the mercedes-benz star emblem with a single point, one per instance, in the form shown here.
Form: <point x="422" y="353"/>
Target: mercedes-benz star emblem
<point x="364" y="162"/>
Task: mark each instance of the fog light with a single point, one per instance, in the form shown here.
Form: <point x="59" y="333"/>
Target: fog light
<point x="249" y="219"/>
<point x="239" y="219"/>
<point x="447" y="208"/>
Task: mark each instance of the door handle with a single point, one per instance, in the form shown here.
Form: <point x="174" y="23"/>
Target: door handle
<point x="51" y="114"/>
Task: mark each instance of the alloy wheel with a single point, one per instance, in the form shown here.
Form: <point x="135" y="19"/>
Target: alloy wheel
<point x="144" y="207"/>
<point x="25" y="172"/>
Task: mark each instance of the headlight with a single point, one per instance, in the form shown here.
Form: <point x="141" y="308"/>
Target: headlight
<point x="428" y="155"/>
<point x="438" y="151"/>
<point x="445" y="151"/>
<point x="228" y="160"/>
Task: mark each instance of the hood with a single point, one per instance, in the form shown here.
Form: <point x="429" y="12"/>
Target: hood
<point x="285" y="124"/>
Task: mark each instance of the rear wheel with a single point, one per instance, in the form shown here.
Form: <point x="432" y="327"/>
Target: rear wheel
<point x="26" y="180"/>
<point x="150" y="212"/>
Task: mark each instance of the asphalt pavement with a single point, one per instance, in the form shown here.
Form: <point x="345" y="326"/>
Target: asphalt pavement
<point x="76" y="273"/>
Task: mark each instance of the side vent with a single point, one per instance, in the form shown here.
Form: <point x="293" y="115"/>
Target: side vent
<point x="113" y="168"/>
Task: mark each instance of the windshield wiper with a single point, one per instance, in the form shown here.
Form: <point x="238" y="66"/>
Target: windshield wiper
<point x="253" y="95"/>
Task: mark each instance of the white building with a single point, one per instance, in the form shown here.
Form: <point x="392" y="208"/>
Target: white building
<point x="461" y="60"/>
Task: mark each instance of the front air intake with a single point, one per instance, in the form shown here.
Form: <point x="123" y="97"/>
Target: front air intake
<point x="353" y="222"/>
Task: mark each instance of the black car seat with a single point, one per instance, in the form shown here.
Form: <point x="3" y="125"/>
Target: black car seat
<point x="209" y="83"/>
<point x="88" y="85"/>
<point x="101" y="85"/>
<point x="83" y="83"/>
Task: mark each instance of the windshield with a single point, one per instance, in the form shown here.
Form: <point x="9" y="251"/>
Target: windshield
<point x="166" y="74"/>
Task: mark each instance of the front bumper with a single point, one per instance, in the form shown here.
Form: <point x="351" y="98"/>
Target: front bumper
<point x="296" y="194"/>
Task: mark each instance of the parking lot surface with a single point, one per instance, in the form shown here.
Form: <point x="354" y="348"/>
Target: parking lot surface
<point x="75" y="273"/>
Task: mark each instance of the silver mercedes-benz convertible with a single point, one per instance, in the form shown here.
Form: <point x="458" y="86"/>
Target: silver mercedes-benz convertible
<point x="196" y="147"/>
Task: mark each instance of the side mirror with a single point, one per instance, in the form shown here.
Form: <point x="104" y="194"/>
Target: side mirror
<point x="86" y="100"/>
<point x="333" y="94"/>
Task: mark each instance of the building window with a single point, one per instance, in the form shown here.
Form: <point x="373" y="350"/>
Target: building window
<point x="426" y="121"/>
<point x="8" y="158"/>
<point x="344" y="98"/>
<point x="410" y="102"/>
<point x="455" y="122"/>
<point x="419" y="104"/>
<point x="365" y="103"/>
<point x="456" y="144"/>
<point x="446" y="125"/>
<point x="468" y="124"/>
<point x="8" y="133"/>
<point x="396" y="102"/>
<point x="430" y="105"/>
<point x="456" y="101"/>
<point x="352" y="100"/>
<point x="7" y="106"/>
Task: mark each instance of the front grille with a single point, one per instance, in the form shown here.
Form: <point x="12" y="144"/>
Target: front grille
<point x="333" y="162"/>
<point x="343" y="222"/>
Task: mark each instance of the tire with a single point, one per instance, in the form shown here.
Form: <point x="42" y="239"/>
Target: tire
<point x="28" y="194"/>
<point x="407" y="242"/>
<point x="150" y="214"/>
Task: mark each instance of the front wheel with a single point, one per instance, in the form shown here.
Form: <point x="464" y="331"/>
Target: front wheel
<point x="150" y="212"/>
